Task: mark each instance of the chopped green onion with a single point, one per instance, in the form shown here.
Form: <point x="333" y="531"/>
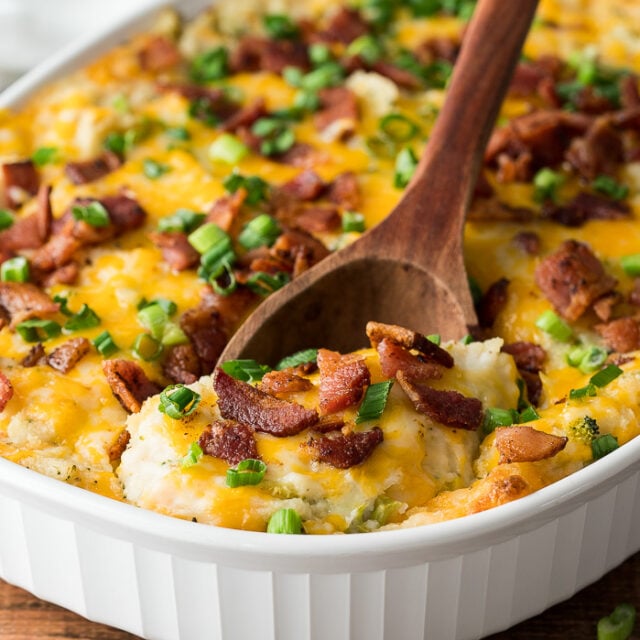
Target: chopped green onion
<point x="116" y="142"/>
<point x="374" y="401"/>
<point x="15" y="270"/>
<point x="245" y="369"/>
<point x="193" y="455"/>
<point x="405" y="167"/>
<point x="353" y="221"/>
<point x="631" y="264"/>
<point x="44" y="155"/>
<point x="575" y="355"/>
<point x="583" y="392"/>
<point x="367" y="48"/>
<point x="6" y="219"/>
<point x="178" y="401"/>
<point x="224" y="283"/>
<point x="183" y="220"/>
<point x="468" y="339"/>
<point x="146" y="347"/>
<point x="217" y="262"/>
<point x="602" y="445"/>
<point x="94" y="214"/>
<point x="585" y="65"/>
<point x="246" y="473"/>
<point x="169" y="306"/>
<point x="529" y="414"/>
<point x="296" y="359"/>
<point x="285" y="521"/>
<point x="210" y="65"/>
<point x="86" y="318"/>
<point x="153" y="318"/>
<point x="605" y="376"/>
<point x="203" y="109"/>
<point x="173" y="335"/>
<point x="227" y="148"/>
<point x="259" y="232"/>
<point x="208" y="236"/>
<point x="496" y="417"/>
<point x="398" y="127"/>
<point x="619" y="625"/>
<point x="153" y="169"/>
<point x="279" y="26"/>
<point x="178" y="133"/>
<point x="104" y="344"/>
<point x="276" y="136"/>
<point x="326" y="75"/>
<point x="592" y="360"/>
<point x="257" y="189"/>
<point x="556" y="327"/>
<point x="63" y="301"/>
<point x="546" y="184"/>
<point x="36" y="330"/>
<point x="436" y="338"/>
<point x="608" y="186"/>
<point x="265" y="284"/>
<point x="306" y="100"/>
<point x="438" y="73"/>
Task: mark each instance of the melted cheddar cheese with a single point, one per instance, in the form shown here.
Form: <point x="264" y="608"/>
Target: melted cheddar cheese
<point x="66" y="425"/>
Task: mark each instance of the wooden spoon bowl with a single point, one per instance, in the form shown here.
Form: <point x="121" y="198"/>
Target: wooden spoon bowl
<point x="408" y="270"/>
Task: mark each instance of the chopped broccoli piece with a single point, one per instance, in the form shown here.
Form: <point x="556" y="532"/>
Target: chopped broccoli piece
<point x="585" y="430"/>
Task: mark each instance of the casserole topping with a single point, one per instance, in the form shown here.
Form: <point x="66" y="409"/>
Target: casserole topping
<point x="151" y="200"/>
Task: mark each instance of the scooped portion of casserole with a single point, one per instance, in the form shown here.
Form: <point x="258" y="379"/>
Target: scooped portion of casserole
<point x="151" y="200"/>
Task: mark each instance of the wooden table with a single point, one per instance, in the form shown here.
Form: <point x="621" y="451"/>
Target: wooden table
<point x="23" y="617"/>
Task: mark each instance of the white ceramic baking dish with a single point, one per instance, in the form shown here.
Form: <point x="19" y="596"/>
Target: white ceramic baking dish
<point x="163" y="578"/>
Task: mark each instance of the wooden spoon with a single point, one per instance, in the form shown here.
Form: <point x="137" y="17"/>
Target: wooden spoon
<point x="408" y="270"/>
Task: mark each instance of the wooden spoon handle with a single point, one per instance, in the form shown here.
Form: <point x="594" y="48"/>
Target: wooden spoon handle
<point x="430" y="217"/>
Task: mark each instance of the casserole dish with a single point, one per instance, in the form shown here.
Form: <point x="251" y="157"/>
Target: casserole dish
<point x="159" y="577"/>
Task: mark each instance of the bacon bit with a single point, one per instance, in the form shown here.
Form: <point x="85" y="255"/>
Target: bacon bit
<point x="307" y="185"/>
<point x="22" y="301"/>
<point x="6" y="391"/>
<point x="634" y="294"/>
<point x="629" y="93"/>
<point x="226" y="209"/>
<point x="277" y="383"/>
<point x="338" y="112"/>
<point x="345" y="191"/>
<point x="603" y="307"/>
<point x="176" y="250"/>
<point x="344" y="451"/>
<point x="44" y="214"/>
<point x="92" y="170"/>
<point x="527" y="355"/>
<point x="262" y="54"/>
<point x="302" y="155"/>
<point x="21" y="180"/>
<point x="600" y="151"/>
<point x="57" y="252"/>
<point x="527" y="241"/>
<point x="22" y="234"/>
<point x="490" y="209"/>
<point x="572" y="279"/>
<point x="345" y="26"/>
<point x="36" y="356"/>
<point x="319" y="219"/>
<point x="62" y="275"/>
<point x="230" y="441"/>
<point x="240" y="401"/>
<point x="401" y="77"/>
<point x="129" y="383"/>
<point x="343" y="379"/>
<point x="621" y="335"/>
<point x="483" y="188"/>
<point x="245" y="116"/>
<point x="205" y="328"/>
<point x="68" y="354"/>
<point x="212" y="100"/>
<point x="159" y="54"/>
<point x="446" y="407"/>
<point x="328" y="423"/>
<point x="182" y="364"/>
<point x="438" y="48"/>
<point x="300" y="249"/>
<point x="526" y="444"/>
<point x="500" y="490"/>
<point x="124" y="212"/>
<point x="119" y="445"/>
<point x="377" y="331"/>
<point x="394" y="358"/>
<point x="493" y="302"/>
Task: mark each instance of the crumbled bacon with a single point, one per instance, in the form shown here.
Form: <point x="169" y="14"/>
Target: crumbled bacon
<point x="328" y="423"/>
<point x="603" y="307"/>
<point x="302" y="155"/>
<point x="119" y="445"/>
<point x="300" y="249"/>
<point x="125" y="213"/>
<point x="6" y="391"/>
<point x="24" y="233"/>
<point x="22" y="301"/>
<point x="573" y="279"/>
<point x="621" y="335"/>
<point x="21" y="181"/>
<point x="345" y="26"/>
<point x="226" y="209"/>
<point x="377" y="331"/>
<point x="263" y="54"/>
<point x="129" y="383"/>
<point x="446" y="407"/>
<point x="205" y="328"/>
<point x="307" y="185"/>
<point x="527" y="355"/>
<point x="181" y="364"/>
<point x="35" y="356"/>
<point x="207" y="102"/>
<point x="318" y="219"/>
<point x="629" y="93"/>
<point x="345" y="191"/>
<point x="282" y="382"/>
<point x="492" y="302"/>
<point x="394" y="358"/>
<point x="68" y="354"/>
<point x="176" y="250"/>
<point x="527" y="241"/>
<point x="240" y="401"/>
<point x="229" y="440"/>
<point x="338" y="112"/>
<point x="344" y="451"/>
<point x="245" y="116"/>
<point x="94" y="169"/>
<point x="343" y="379"/>
<point x="526" y="444"/>
<point x="599" y="151"/>
<point x="159" y="54"/>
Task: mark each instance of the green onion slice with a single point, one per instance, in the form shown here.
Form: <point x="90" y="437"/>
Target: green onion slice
<point x="374" y="401"/>
<point x="436" y="338"/>
<point x="529" y="414"/>
<point x="296" y="359"/>
<point x="279" y="26"/>
<point x="193" y="455"/>
<point x="366" y="47"/>
<point x="245" y="473"/>
<point x="285" y="521"/>
<point x="583" y="392"/>
<point x="619" y="625"/>
<point x="37" y="330"/>
<point x="86" y="318"/>
<point x="546" y="184"/>
<point x="264" y="283"/>
<point x="146" y="347"/>
<point x="208" y="236"/>
<point x="551" y="323"/>
<point x="405" y="167"/>
<point x="15" y="270"/>
<point x="229" y="149"/>
<point x="245" y="369"/>
<point x="257" y="189"/>
<point x="259" y="232"/>
<point x="94" y="214"/>
<point x="602" y="445"/>
<point x="605" y="376"/>
<point x="44" y="155"/>
<point x="497" y="417"/>
<point x="153" y="169"/>
<point x="169" y="306"/>
<point x="104" y="344"/>
<point x="631" y="264"/>
<point x="6" y="219"/>
<point x="607" y="185"/>
<point x="210" y="65"/>
<point x="178" y="133"/>
<point x="178" y="401"/>
<point x="173" y="334"/>
<point x="353" y="221"/>
<point x="183" y="220"/>
<point x="63" y="301"/>
<point x="224" y="283"/>
<point x="398" y="127"/>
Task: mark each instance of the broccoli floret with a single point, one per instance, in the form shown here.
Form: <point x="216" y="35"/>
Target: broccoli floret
<point x="585" y="430"/>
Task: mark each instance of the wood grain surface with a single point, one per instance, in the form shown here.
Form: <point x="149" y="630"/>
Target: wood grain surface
<point x="23" y="617"/>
